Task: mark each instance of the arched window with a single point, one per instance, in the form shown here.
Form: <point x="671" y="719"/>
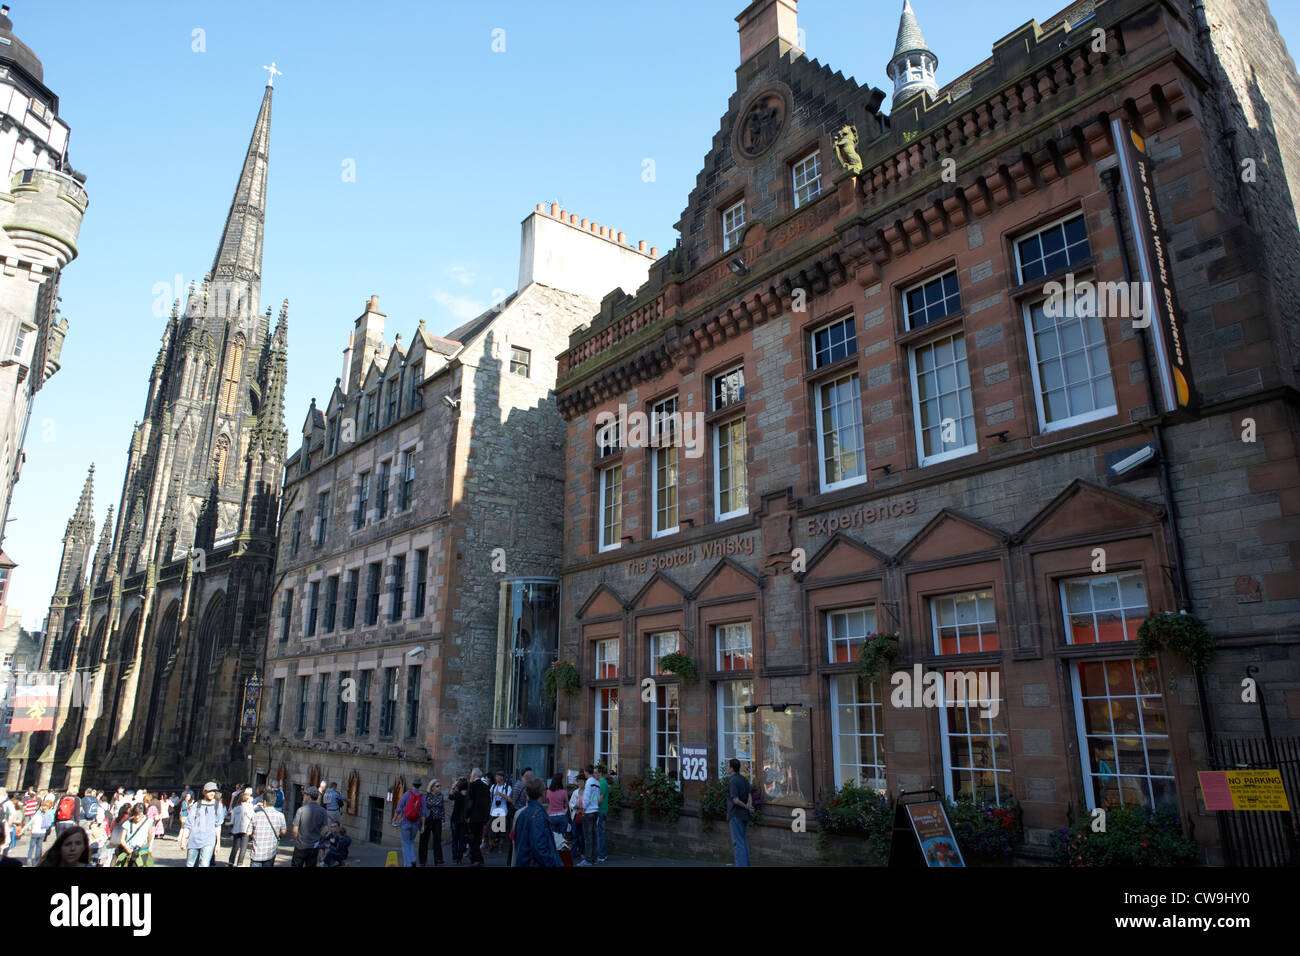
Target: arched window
<point x="96" y="648"/>
<point x="220" y="459"/>
<point x="125" y="655"/>
<point x="165" y="648"/>
<point x="209" y="634"/>
<point x="228" y="401"/>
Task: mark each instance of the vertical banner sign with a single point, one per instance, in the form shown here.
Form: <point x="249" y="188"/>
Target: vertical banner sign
<point x="34" y="707"/>
<point x="252" y="696"/>
<point x="1172" y="359"/>
<point x="930" y="824"/>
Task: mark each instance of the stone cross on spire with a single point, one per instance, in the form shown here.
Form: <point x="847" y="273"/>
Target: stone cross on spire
<point x="273" y="73"/>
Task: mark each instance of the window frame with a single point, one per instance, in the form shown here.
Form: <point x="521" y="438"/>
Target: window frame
<point x="654" y="645"/>
<point x="741" y="493"/>
<point x="936" y="642"/>
<point x="923" y="459"/>
<point x="1038" y="231"/>
<point x="972" y="714"/>
<point x="602" y="659"/>
<point x="397" y="596"/>
<point x="1091" y="580"/>
<point x="605" y="507"/>
<point x="413" y="675"/>
<point x="812" y="184"/>
<point x="383" y="480"/>
<point x="667" y="701"/>
<point x="908" y="324"/>
<point x="606" y="727"/>
<point x="873" y="705"/>
<point x="526" y="362"/>
<point x="731" y="237"/>
<point x="718" y="630"/>
<point x="734" y="689"/>
<point x="871" y="621"/>
<point x="849" y="374"/>
<point x="658" y="453"/>
<point x="1097" y="414"/>
<point x="362" y="724"/>
<point x="421" y="582"/>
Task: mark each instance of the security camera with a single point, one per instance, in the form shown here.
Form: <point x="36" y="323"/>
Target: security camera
<point x="1133" y="461"/>
<point x="415" y="652"/>
<point x="451" y="402"/>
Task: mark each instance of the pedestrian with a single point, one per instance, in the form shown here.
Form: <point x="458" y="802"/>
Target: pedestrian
<point x="183" y="836"/>
<point x="576" y="816"/>
<point x="13" y="822"/>
<point x="89" y="804"/>
<point x="309" y="825"/>
<point x="332" y="801"/>
<point x="71" y="848"/>
<point x="239" y="827"/>
<point x="740" y="804"/>
<point x="500" y="810"/>
<point x="164" y="816"/>
<point x="265" y="829"/>
<point x="279" y="797"/>
<point x="110" y="836"/>
<point x="557" y="804"/>
<point x="477" y="814"/>
<point x="603" y="777"/>
<point x="590" y="813"/>
<point x="39" y="826"/>
<point x="458" y="820"/>
<point x="411" y="811"/>
<point x="336" y="846"/>
<point x="533" y="837"/>
<point x="31" y="803"/>
<point x="206" y="817"/>
<point x="432" y="829"/>
<point x="137" y="839"/>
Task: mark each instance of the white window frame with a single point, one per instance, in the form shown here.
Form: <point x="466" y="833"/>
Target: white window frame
<point x="603" y="658"/>
<point x="872" y="706"/>
<point x="660" y="453"/>
<point x="868" y="612"/>
<point x="733" y="393"/>
<point x="730" y="694"/>
<point x="812" y="179"/>
<point x="606" y="507"/>
<point x="526" y="362"/>
<point x="973" y="709"/>
<point x="1015" y="243"/>
<point x="656" y="642"/>
<point x="667" y="759"/>
<point x="847" y="320"/>
<point x="1076" y="690"/>
<point x="1096" y="414"/>
<point x="723" y="636"/>
<point x="979" y="595"/>
<point x="606" y="724"/>
<point x="973" y="445"/>
<point x="907" y="311"/>
<point x="739" y="491"/>
<point x="856" y="406"/>
<point x="1140" y="612"/>
<point x="609" y="439"/>
<point x="731" y="236"/>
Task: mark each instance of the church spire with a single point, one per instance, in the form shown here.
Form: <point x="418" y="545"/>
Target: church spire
<point x="77" y="540"/>
<point x="83" y="520"/>
<point x="239" y="256"/>
<point x="104" y="552"/>
<point x="913" y="64"/>
<point x="268" y="432"/>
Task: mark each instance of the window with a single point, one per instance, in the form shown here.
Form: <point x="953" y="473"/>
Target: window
<point x="611" y="508"/>
<point x="1070" y="367"/>
<point x="859" y="741"/>
<point x="833" y="342"/>
<point x="665" y="642"/>
<point x="363" y="704"/>
<point x="295" y="538"/>
<point x="306" y="454"/>
<point x="421" y="581"/>
<point x="313" y="599"/>
<point x="735" y="647"/>
<point x="286" y="614"/>
<point x="221" y="458"/>
<point x="807" y="179"/>
<point x="610" y="439"/>
<point x="976" y="751"/>
<point x="385" y="476"/>
<point x="607" y="728"/>
<point x="19" y="341"/>
<point x="408" y="480"/>
<point x="413" y="700"/>
<point x="1123" y="733"/>
<point x="228" y="401"/>
<point x="399" y="588"/>
<point x="1053" y="248"/>
<point x="388" y="707"/>
<point x="416" y="379"/>
<point x="932" y="300"/>
<point x="730" y="479"/>
<point x="322" y="517"/>
<point x="372" y="409"/>
<point x="322" y="701"/>
<point x="341" y="706"/>
<point x="845" y="630"/>
<point x="735" y="726"/>
<point x="942" y="409"/>
<point x="394" y="386"/>
<point x="331" y="602"/>
<point x="363" y="501"/>
<point x="303" y="682"/>
<point x="733" y="223"/>
<point x="278" y="705"/>
<point x="664" y="421"/>
<point x="372" y="595"/>
<point x="1104" y="608"/>
<point x="728" y="388"/>
<point x="665" y="734"/>
<point x="350" y="600"/>
<point x="607" y="659"/>
<point x="332" y="437"/>
<point x="521" y="361"/>
<point x="839" y="433"/>
<point x="964" y="623"/>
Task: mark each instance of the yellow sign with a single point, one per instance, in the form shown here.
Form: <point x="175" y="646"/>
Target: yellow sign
<point x="392" y="858"/>
<point x="1243" y="790"/>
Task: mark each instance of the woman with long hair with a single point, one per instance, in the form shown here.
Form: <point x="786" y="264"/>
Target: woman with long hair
<point x="557" y="804"/>
<point x="136" y="846"/>
<point x="71" y="848"/>
<point x="183" y="839"/>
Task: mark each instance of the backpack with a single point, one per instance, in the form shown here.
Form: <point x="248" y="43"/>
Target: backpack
<point x="67" y="809"/>
<point x="414" y="803"/>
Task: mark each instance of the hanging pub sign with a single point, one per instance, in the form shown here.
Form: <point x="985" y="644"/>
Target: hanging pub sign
<point x="1162" y="317"/>
<point x="252" y="697"/>
<point x="934" y="834"/>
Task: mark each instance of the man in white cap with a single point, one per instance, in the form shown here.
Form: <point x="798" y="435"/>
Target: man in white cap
<point x="205" y="821"/>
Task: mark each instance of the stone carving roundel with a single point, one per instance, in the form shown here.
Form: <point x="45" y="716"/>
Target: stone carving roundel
<point x="760" y="124"/>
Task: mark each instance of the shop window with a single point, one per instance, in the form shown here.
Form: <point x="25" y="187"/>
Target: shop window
<point x="964" y="623"/>
<point x="662" y="643"/>
<point x="856" y="729"/>
<point x="735" y="647"/>
<point x="735" y="726"/>
<point x="976" y="745"/>
<point x="607" y="659"/>
<point x="665" y="734"/>
<point x="607" y="728"/>
<point x="1104" y="608"/>
<point x="845" y="632"/>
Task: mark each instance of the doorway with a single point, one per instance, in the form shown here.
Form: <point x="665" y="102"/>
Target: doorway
<point x="376" y="821"/>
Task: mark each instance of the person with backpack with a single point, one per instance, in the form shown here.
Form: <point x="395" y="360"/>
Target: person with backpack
<point x="67" y="813"/>
<point x="412" y="810"/>
<point x="206" y="817"/>
<point x="332" y="801"/>
<point x="89" y="804"/>
<point x="265" y="828"/>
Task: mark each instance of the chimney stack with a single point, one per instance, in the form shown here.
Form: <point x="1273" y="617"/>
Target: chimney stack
<point x="764" y="22"/>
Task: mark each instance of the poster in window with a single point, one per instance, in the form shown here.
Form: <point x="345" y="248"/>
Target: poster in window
<point x="785" y="771"/>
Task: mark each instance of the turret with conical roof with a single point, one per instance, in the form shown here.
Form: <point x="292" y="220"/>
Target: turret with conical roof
<point x="913" y="63"/>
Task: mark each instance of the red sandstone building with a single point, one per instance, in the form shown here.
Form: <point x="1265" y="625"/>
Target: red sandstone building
<point x="873" y="420"/>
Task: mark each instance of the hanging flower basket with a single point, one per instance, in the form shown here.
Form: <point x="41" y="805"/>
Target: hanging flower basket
<point x="877" y="650"/>
<point x="1183" y="633"/>
<point x="562" y="676"/>
<point x="681" y="665"/>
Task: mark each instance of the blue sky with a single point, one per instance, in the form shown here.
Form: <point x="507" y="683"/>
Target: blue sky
<point x="453" y="145"/>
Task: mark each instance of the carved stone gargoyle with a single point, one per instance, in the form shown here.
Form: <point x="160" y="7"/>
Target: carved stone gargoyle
<point x="846" y="150"/>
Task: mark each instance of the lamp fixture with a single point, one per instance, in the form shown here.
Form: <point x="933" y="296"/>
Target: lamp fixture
<point x="737" y="266"/>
